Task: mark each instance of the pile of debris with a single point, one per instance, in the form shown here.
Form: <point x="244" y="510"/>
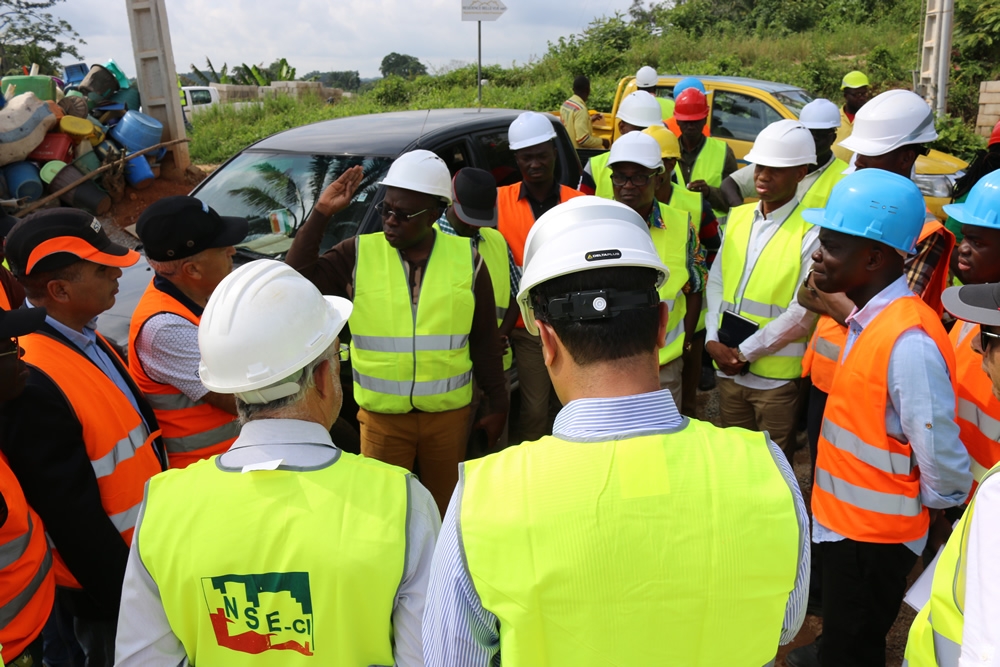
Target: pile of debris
<point x="74" y="141"/>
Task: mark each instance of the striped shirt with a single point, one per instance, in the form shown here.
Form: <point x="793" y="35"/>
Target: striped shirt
<point x="459" y="632"/>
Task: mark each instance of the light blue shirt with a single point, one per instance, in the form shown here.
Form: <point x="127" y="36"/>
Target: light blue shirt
<point x="920" y="411"/>
<point x="86" y="342"/>
<point x="459" y="632"/>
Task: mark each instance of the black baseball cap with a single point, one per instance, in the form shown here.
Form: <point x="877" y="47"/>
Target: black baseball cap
<point x="20" y="322"/>
<point x="57" y="237"/>
<point x="180" y="226"/>
<point x="974" y="303"/>
<point x="474" y="197"/>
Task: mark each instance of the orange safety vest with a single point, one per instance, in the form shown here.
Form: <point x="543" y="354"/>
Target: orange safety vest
<point x="672" y="125"/>
<point x="978" y="412"/>
<point x="192" y="430"/>
<point x="119" y="445"/>
<point x="27" y="583"/>
<point x="820" y="361"/>
<point x="4" y="299"/>
<point x="515" y="218"/>
<point x="867" y="485"/>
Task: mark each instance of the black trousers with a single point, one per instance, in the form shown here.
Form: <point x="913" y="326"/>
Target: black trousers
<point x="814" y="423"/>
<point x="863" y="587"/>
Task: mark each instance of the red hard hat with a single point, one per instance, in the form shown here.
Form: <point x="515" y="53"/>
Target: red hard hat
<point x="691" y="105"/>
<point x="994" y="135"/>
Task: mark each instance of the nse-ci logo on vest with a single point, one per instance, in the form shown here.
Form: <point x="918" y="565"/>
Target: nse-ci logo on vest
<point x="254" y="613"/>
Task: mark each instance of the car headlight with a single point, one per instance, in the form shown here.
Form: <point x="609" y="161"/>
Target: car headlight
<point x="936" y="185"/>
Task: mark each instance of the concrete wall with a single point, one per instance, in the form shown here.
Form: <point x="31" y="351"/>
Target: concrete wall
<point x="989" y="107"/>
<point x="297" y="89"/>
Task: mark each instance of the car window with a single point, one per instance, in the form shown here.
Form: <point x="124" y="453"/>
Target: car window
<point x="455" y="156"/>
<point x="276" y="191"/>
<point x="794" y="99"/>
<point x="495" y="149"/>
<point x="201" y="97"/>
<point x="738" y="116"/>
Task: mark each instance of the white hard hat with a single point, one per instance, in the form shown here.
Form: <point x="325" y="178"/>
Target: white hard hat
<point x="639" y="148"/>
<point x="582" y="234"/>
<point x="890" y="120"/>
<point x="646" y="77"/>
<point x="783" y="143"/>
<point x="640" y="109"/>
<point x="420" y="171"/>
<point x="820" y="114"/>
<point x="530" y="129"/>
<point x="263" y="324"/>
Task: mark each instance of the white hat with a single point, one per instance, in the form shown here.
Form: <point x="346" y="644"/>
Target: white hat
<point x="530" y="129"/>
<point x="646" y="77"/>
<point x="640" y="109"/>
<point x="820" y="114"/>
<point x="420" y="171"/>
<point x="890" y="120"/>
<point x="783" y="143"/>
<point x="638" y="148"/>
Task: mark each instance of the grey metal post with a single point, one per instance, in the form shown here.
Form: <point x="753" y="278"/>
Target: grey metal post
<point x="944" y="56"/>
<point x="479" y="66"/>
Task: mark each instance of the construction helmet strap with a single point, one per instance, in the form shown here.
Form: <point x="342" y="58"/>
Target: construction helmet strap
<point x="593" y="304"/>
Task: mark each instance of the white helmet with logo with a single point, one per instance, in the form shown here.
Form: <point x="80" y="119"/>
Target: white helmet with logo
<point x="582" y="234"/>
<point x="646" y="77"/>
<point x="639" y="148"/>
<point x="263" y="324"/>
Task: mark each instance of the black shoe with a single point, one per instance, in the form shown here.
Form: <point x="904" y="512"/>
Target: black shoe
<point x="707" y="382"/>
<point x="804" y="656"/>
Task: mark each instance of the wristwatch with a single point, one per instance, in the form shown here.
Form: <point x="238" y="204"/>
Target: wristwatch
<point x="739" y="355"/>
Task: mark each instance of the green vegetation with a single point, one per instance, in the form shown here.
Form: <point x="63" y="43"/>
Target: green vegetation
<point x="809" y="43"/>
<point x="29" y="35"/>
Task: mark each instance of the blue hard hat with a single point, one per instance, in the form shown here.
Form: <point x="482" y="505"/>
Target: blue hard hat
<point x="874" y="204"/>
<point x="982" y="206"/>
<point x="688" y="82"/>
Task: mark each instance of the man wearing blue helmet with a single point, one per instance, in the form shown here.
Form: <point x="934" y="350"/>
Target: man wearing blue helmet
<point x="889" y="450"/>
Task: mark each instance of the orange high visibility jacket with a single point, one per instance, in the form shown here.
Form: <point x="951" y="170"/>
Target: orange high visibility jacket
<point x="867" y="485"/>
<point x="119" y="446"/>
<point x="515" y="218"/>
<point x="820" y="361"/>
<point x="978" y="412"/>
<point x="27" y="583"/>
<point x="192" y="430"/>
<point x="4" y="300"/>
<point x="672" y="125"/>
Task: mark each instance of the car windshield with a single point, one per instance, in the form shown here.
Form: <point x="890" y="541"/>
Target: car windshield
<point x="276" y="191"/>
<point x="794" y="99"/>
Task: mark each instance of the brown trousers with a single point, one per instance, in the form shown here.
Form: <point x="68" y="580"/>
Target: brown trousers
<point x="771" y="410"/>
<point x="434" y="440"/>
<point x="534" y="385"/>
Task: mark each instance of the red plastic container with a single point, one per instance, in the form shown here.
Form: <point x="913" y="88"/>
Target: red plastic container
<point x="55" y="146"/>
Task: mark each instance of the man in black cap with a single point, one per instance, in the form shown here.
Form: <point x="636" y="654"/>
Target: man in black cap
<point x="190" y="247"/>
<point x="473" y="215"/>
<point x="81" y="438"/>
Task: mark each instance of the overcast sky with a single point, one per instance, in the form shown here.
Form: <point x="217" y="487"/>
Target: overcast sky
<point x="329" y="35"/>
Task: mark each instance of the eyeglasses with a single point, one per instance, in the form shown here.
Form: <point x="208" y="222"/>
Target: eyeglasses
<point x="17" y="349"/>
<point x="344" y="353"/>
<point x="401" y="216"/>
<point x="985" y="337"/>
<point x="638" y="180"/>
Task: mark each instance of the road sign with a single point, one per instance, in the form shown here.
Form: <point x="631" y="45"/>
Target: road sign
<point x="482" y="10"/>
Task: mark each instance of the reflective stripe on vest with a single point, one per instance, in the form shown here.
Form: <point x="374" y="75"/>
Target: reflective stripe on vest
<point x="192" y="430"/>
<point x="685" y="200"/>
<point x="28" y="589"/>
<point x="978" y="413"/>
<point x="405" y="357"/>
<point x="556" y="585"/>
<point x="867" y="483"/>
<point x="230" y="598"/>
<point x="821" y="360"/>
<point x="119" y="446"/>
<point x="936" y="634"/>
<point x="493" y="250"/>
<point x="773" y="282"/>
<point x="601" y="173"/>
<point x="671" y="246"/>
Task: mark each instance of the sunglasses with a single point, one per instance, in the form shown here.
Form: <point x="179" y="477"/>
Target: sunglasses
<point x="16" y="349"/>
<point x="638" y="180"/>
<point x="985" y="337"/>
<point x="401" y="216"/>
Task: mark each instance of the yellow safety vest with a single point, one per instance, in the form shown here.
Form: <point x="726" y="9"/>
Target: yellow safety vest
<point x="493" y="249"/>
<point x="601" y="173"/>
<point x="709" y="164"/>
<point x="819" y="192"/>
<point x="675" y="548"/>
<point x="936" y="634"/>
<point x="774" y="279"/>
<point x="671" y="246"/>
<point x="278" y="567"/>
<point x="684" y="199"/>
<point x="405" y="357"/>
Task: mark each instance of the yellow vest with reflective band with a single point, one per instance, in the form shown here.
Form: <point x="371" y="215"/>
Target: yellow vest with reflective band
<point x="936" y="634"/>
<point x="671" y="246"/>
<point x="684" y="199"/>
<point x="819" y="192"/>
<point x="709" y="165"/>
<point x="774" y="280"/>
<point x="674" y="548"/>
<point x="405" y="357"/>
<point x="493" y="249"/>
<point x="284" y="567"/>
<point x="601" y="173"/>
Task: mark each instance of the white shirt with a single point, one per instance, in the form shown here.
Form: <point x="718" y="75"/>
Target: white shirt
<point x="743" y="177"/>
<point x="981" y="632"/>
<point x="167" y="348"/>
<point x="144" y="635"/>
<point x="794" y="323"/>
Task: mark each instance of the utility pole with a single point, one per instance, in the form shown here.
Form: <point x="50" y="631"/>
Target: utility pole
<point x="479" y="11"/>
<point x="935" y="56"/>
<point x="156" y="72"/>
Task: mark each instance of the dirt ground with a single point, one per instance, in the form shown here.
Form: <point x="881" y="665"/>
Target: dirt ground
<point x="125" y="213"/>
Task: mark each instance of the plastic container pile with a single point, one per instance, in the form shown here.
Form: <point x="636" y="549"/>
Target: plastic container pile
<point x="55" y="131"/>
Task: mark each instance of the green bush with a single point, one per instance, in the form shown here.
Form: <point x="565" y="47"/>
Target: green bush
<point x="957" y="138"/>
<point x="393" y="90"/>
